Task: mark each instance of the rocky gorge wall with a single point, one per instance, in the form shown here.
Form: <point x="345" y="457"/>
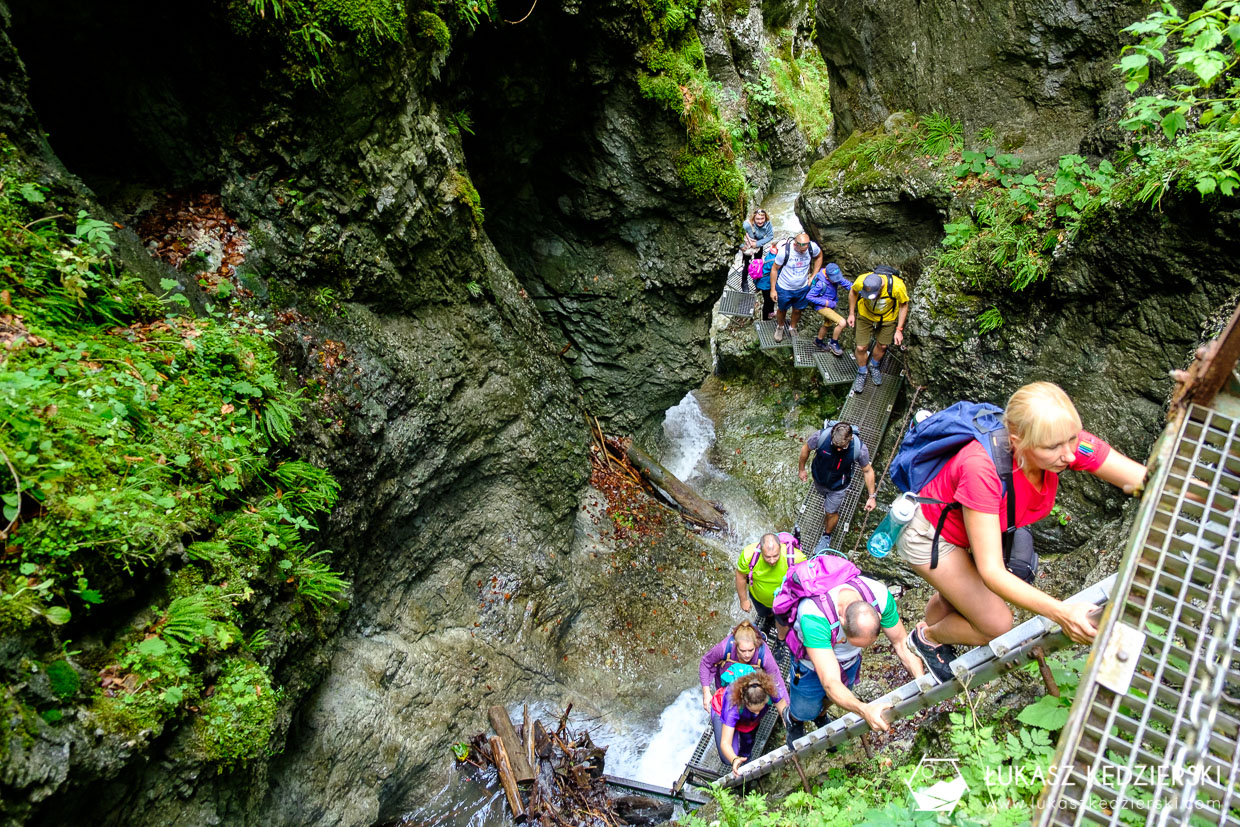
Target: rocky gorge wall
<point x="1037" y="72"/>
<point x="427" y="340"/>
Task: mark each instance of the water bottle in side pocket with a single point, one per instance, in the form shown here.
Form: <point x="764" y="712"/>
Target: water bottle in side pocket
<point x="887" y="534"/>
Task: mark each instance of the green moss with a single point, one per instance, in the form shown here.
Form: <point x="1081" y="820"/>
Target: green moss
<point x="52" y="716"/>
<point x="64" y="679"/>
<point x="430" y="27"/>
<point x="868" y="159"/>
<point x="678" y="82"/>
<point x="464" y="191"/>
<point x="238" y="718"/>
<point x="801" y="83"/>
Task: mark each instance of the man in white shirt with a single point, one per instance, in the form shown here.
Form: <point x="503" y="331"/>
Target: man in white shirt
<point x="794" y="264"/>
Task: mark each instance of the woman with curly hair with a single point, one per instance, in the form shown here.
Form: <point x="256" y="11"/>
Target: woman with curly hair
<point x="737" y="710"/>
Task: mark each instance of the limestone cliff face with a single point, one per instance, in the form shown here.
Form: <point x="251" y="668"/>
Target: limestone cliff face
<point x="1037" y="72"/>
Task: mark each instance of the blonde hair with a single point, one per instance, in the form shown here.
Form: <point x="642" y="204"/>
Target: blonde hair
<point x="765" y="214"/>
<point x="745" y="632"/>
<point x="1040" y="415"/>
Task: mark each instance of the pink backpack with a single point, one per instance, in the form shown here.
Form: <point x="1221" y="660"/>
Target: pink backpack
<point x="755" y="269"/>
<point x="813" y="579"/>
<point x="791" y="546"/>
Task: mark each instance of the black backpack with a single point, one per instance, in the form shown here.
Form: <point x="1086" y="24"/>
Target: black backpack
<point x="837" y="478"/>
<point x="788" y="251"/>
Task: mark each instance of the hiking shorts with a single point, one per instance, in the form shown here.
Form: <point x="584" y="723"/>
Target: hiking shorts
<point x="866" y="330"/>
<point x="795" y="299"/>
<point x="830" y="315"/>
<point x="831" y="500"/>
<point x="805" y="692"/>
<point x="764" y="611"/>
<point x="917" y="539"/>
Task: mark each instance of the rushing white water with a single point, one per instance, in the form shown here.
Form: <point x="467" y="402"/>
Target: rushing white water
<point x="690" y="433"/>
<point x="660" y="757"/>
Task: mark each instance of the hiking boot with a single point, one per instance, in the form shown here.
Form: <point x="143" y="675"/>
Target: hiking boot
<point x="859" y="383"/>
<point x="877" y="376"/>
<point x="779" y="332"/>
<point x="834" y="347"/>
<point x="936" y="658"/>
<point x="820" y="344"/>
<point x="792" y="331"/>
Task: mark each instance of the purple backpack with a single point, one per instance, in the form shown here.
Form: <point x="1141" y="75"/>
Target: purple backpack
<point x="813" y="579"/>
<point x="755" y="269"/>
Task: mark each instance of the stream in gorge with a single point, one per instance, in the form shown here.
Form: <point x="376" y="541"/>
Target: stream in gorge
<point x="651" y="751"/>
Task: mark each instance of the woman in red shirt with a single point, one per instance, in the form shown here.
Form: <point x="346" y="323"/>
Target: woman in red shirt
<point x="973" y="586"/>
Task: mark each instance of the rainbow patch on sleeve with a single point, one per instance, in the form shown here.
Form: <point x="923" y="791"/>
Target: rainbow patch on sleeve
<point x="1085" y="447"/>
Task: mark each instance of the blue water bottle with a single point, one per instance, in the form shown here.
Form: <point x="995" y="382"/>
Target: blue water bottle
<point x="888" y="532"/>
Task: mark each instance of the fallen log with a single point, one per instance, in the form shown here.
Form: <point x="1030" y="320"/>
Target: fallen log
<point x="698" y="509"/>
<point x="502" y="725"/>
<point x="507" y="779"/>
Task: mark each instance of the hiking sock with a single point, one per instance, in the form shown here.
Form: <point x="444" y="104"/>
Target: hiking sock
<point x="874" y="364"/>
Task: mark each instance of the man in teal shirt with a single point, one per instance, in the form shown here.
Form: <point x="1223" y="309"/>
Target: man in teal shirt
<point x="833" y="653"/>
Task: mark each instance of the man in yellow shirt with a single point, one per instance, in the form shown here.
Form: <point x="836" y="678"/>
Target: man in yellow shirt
<point x="877" y="308"/>
<point x="760" y="570"/>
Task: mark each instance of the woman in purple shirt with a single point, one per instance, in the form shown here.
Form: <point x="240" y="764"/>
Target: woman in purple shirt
<point x="744" y="645"/>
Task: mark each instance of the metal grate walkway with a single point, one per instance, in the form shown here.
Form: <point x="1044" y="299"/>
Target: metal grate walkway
<point x="1152" y="734"/>
<point x="870" y="412"/>
<point x="736" y="303"/>
<point x="766" y="336"/>
<point x="977" y="666"/>
<point x="836" y="370"/>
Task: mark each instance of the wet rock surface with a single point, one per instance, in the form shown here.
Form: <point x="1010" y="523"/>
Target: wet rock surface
<point x="1035" y="72"/>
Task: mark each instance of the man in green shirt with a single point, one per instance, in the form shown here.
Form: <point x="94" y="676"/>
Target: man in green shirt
<point x="757" y="579"/>
<point x="833" y="653"/>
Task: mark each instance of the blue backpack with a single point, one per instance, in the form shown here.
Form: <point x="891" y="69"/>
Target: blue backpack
<point x="929" y="445"/>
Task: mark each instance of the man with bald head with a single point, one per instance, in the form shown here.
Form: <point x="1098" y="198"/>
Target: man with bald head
<point x="790" y="273"/>
<point x="835" y="629"/>
<point x="760" y="570"/>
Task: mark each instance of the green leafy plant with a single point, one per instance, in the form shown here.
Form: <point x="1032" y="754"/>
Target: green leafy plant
<point x="314" y="35"/>
<point x="1198" y="117"/>
<point x="989" y="320"/>
<point x="940" y="134"/>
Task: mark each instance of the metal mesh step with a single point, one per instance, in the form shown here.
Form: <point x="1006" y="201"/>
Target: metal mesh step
<point x="766" y="336"/>
<point x="736" y="303"/>
<point x="734" y="277"/>
<point x="836" y="370"/>
<point x="704" y="766"/>
<point x="803" y="350"/>
<point x="1128" y="741"/>
<point x="870" y="412"/>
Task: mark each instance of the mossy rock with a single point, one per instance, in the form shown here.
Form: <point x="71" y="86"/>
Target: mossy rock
<point x="64" y="679"/>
